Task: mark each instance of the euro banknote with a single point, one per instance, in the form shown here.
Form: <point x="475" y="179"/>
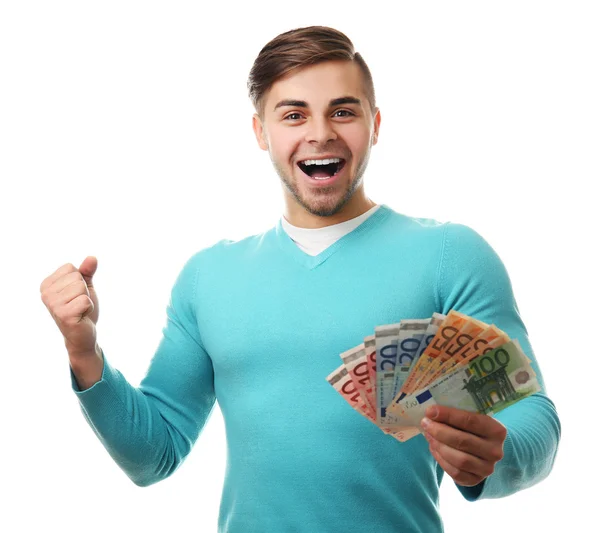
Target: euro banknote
<point x="488" y="384"/>
<point x="455" y="360"/>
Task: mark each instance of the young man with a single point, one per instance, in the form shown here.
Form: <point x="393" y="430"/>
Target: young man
<point x="258" y="324"/>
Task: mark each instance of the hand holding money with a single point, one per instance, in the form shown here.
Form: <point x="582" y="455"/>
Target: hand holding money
<point x="466" y="445"/>
<point x="455" y="361"/>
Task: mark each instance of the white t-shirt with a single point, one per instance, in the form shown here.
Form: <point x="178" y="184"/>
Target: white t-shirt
<point x="314" y="241"/>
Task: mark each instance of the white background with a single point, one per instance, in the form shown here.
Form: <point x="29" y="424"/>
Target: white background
<point x="125" y="133"/>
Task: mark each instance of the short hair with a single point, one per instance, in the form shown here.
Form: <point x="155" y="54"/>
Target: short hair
<point x="298" y="48"/>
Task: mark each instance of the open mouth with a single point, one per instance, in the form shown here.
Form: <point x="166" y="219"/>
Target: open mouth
<point x="320" y="171"/>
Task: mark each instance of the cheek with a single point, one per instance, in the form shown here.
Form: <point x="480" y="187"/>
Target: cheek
<point x="283" y="144"/>
<point x="357" y="140"/>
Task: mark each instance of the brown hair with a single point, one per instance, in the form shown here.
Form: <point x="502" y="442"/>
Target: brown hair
<point x="298" y="48"/>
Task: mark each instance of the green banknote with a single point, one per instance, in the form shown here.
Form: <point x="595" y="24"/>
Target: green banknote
<point x="488" y="384"/>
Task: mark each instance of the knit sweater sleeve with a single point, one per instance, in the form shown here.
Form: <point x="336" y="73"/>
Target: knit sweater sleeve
<point x="474" y="281"/>
<point x="149" y="430"/>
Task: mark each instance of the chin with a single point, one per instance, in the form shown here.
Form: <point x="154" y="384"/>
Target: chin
<point x="326" y="207"/>
<point x="323" y="203"/>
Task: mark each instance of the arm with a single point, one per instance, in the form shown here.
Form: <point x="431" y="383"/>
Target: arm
<point x="474" y="281"/>
<point x="150" y="430"/>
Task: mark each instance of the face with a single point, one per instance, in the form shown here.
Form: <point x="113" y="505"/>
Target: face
<point x="315" y="113"/>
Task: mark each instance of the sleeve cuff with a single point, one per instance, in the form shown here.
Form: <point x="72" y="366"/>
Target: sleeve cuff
<point x="75" y="386"/>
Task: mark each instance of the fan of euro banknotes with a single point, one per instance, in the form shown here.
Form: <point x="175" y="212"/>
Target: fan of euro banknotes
<point x="393" y="376"/>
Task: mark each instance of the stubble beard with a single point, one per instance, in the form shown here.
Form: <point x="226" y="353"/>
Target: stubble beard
<point x="319" y="202"/>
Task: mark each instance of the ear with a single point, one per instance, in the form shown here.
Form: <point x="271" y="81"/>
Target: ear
<point x="376" y="124"/>
<point x="259" y="132"/>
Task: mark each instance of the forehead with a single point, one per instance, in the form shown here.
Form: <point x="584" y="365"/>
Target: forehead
<point x="318" y="84"/>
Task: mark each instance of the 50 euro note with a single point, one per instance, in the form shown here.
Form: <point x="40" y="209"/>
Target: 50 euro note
<point x="469" y="330"/>
<point x="488" y="384"/>
<point x="490" y="338"/>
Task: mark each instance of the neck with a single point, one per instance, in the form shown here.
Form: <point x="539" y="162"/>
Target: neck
<point x="298" y="216"/>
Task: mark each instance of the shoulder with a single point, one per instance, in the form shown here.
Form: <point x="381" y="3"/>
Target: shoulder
<point x="410" y="231"/>
<point x="442" y="237"/>
<point x="465" y="238"/>
<point x="471" y="271"/>
<point x="447" y="232"/>
<point x="446" y="236"/>
<point x="209" y="265"/>
<point x="225" y="253"/>
<point x="461" y="253"/>
<point x="466" y="249"/>
<point x="410" y="223"/>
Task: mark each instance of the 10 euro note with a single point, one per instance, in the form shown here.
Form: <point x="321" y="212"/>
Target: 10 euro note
<point x="342" y="382"/>
<point x="488" y="384"/>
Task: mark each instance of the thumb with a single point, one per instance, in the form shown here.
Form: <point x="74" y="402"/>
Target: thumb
<point x="88" y="269"/>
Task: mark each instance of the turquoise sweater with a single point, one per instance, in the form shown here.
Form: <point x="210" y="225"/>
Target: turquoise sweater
<point x="258" y="324"/>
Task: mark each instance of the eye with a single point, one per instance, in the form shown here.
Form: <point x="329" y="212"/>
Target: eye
<point x="345" y="111"/>
<point x="291" y="115"/>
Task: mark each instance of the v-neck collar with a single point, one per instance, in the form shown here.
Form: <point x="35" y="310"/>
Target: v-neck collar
<point x="310" y="262"/>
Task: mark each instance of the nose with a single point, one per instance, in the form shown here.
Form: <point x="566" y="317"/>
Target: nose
<point x="320" y="131"/>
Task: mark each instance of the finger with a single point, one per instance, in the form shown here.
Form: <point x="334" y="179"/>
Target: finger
<point x="462" y="461"/>
<point x="59" y="273"/>
<point x="57" y="301"/>
<point x="61" y="305"/>
<point x="71" y="291"/>
<point x="88" y="268"/>
<point x="61" y="282"/>
<point x="63" y="289"/>
<point x="463" y="441"/>
<point x="476" y="423"/>
<point x="462" y="478"/>
<point x="67" y="281"/>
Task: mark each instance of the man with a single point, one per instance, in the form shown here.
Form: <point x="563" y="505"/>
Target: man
<point x="258" y="324"/>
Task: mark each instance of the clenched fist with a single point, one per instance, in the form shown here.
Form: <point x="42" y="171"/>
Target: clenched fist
<point x="70" y="297"/>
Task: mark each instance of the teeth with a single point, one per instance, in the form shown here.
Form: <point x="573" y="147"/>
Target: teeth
<point x="321" y="161"/>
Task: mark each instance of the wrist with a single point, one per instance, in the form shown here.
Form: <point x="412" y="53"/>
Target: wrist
<point x="87" y="368"/>
<point x="79" y="358"/>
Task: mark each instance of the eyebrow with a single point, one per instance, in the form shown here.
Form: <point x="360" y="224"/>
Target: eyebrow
<point x="332" y="103"/>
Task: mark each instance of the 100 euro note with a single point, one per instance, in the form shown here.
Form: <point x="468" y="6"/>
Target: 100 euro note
<point x="488" y="384"/>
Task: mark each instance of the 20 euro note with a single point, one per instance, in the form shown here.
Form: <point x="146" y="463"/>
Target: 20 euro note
<point x="386" y="339"/>
<point x="488" y="384"/>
